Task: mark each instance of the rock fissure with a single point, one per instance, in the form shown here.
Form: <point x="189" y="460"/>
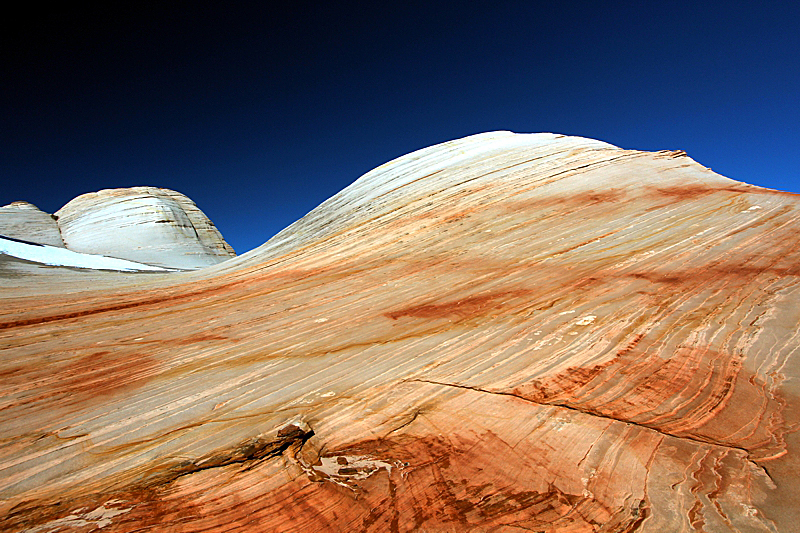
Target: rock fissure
<point x="598" y="415"/>
<point x="251" y="450"/>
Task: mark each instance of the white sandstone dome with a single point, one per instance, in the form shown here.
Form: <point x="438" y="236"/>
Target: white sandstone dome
<point x="144" y="224"/>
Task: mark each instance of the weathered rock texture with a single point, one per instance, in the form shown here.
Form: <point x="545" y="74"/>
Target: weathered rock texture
<point x="500" y="333"/>
<point x="25" y="221"/>
<point x="144" y="224"/>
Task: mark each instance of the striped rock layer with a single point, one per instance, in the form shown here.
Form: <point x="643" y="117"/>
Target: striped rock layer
<point x="501" y="333"/>
<point x="149" y="225"/>
<point x="22" y="220"/>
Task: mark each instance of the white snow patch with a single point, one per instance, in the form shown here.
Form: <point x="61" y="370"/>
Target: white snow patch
<point x="53" y="256"/>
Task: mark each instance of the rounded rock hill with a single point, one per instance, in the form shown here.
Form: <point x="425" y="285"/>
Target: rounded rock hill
<point x="500" y="333"/>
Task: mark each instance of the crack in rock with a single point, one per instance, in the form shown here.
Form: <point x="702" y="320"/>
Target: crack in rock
<point x="251" y="450"/>
<point x="598" y="415"/>
<point x="290" y="438"/>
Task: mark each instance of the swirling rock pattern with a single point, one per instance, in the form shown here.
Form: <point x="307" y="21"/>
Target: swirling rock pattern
<point x="500" y="333"/>
<point x="144" y="224"/>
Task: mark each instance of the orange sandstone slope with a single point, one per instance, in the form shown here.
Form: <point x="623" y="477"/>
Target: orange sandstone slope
<point x="500" y="333"/>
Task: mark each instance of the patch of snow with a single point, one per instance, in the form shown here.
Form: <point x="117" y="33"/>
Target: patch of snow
<point x="54" y="256"/>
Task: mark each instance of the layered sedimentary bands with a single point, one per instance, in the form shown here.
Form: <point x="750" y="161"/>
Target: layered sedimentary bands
<point x="147" y="225"/>
<point x="500" y="333"/>
<point x="21" y="220"/>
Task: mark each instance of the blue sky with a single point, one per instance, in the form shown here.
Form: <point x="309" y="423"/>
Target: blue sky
<point x="259" y="114"/>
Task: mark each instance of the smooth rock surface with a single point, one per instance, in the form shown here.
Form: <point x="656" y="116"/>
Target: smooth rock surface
<point x="143" y="224"/>
<point x="501" y="333"/>
<point x="23" y="220"/>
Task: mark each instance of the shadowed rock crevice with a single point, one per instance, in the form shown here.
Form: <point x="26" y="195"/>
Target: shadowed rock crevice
<point x="250" y="451"/>
<point x="156" y="485"/>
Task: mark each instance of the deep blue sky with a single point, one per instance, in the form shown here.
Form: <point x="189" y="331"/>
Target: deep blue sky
<point x="259" y="114"/>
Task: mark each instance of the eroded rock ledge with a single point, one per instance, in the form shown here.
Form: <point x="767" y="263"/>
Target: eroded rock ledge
<point x="500" y="333"/>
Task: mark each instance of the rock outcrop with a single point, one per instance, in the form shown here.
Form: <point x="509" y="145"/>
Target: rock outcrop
<point x="148" y="225"/>
<point x="22" y="220"/>
<point x="143" y="224"/>
<point x="500" y="333"/>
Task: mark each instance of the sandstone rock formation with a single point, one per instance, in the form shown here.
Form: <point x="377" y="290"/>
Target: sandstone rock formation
<point x="148" y="225"/>
<point x="500" y="333"/>
<point x="22" y="220"/>
<point x="144" y="224"/>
